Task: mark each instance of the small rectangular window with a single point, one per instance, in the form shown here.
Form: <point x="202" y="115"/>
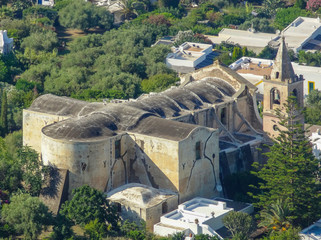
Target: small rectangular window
<point x="311" y="86"/>
<point x="117" y="149"/>
<point x="198" y="151"/>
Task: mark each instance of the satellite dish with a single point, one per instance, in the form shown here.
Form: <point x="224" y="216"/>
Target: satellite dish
<point x="219" y="188"/>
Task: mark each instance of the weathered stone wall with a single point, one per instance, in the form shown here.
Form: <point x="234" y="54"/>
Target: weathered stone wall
<point x="89" y="162"/>
<point x="199" y="177"/>
<point x="33" y="122"/>
<point x="154" y="161"/>
<point x="133" y="213"/>
<point x="154" y="213"/>
<point x="151" y="215"/>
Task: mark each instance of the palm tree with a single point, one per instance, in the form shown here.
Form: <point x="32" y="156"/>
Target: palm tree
<point x="276" y="216"/>
<point x="131" y="8"/>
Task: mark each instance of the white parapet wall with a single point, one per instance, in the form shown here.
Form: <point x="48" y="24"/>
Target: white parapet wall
<point x="188" y="54"/>
<point x="199" y="215"/>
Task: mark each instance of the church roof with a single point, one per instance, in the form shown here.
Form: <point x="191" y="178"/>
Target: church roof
<point x="139" y="195"/>
<point x="282" y="64"/>
<point x="162" y="128"/>
<point x="148" y="115"/>
<point x="92" y="126"/>
<point x="62" y="106"/>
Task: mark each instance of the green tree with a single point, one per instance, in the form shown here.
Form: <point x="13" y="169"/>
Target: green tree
<point x="290" y="234"/>
<point x="96" y="230"/>
<point x="313" y="108"/>
<point x="88" y="204"/>
<point x="270" y="7"/>
<point x="133" y="8"/>
<point x="277" y="217"/>
<point x="300" y="4"/>
<point x="267" y="53"/>
<point x="41" y="41"/>
<point x="62" y="228"/>
<point x="291" y="169"/>
<point x="136" y="231"/>
<point x="168" y="3"/>
<point x="13" y="143"/>
<point x="28" y="215"/>
<point x="189" y="36"/>
<point x="3" y="2"/>
<point x="10" y="171"/>
<point x="4" y="114"/>
<point x="239" y="224"/>
<point x="309" y="58"/>
<point x="285" y="16"/>
<point x="158" y="83"/>
<point x="237" y="53"/>
<point x="245" y="51"/>
<point x="3" y="72"/>
<point x="60" y="4"/>
<point x="259" y="24"/>
<point x="33" y="174"/>
<point x="37" y="12"/>
<point x="84" y="15"/>
<point x="177" y="236"/>
<point x="156" y="54"/>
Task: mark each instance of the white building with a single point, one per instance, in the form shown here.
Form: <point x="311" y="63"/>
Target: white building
<point x="303" y="34"/>
<point x="315" y="139"/>
<point x="6" y="44"/>
<point x="254" y="69"/>
<point x="254" y="41"/>
<point x="49" y="3"/>
<point x="312" y="232"/>
<point x="188" y="56"/>
<point x="197" y="216"/>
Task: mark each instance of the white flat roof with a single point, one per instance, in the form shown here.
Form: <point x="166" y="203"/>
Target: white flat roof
<point x="299" y="30"/>
<point x="200" y="208"/>
<point x="202" y="46"/>
<point x="243" y="37"/>
<point x="189" y="51"/>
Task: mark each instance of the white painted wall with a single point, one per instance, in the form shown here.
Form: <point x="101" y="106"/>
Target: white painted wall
<point x="316" y="141"/>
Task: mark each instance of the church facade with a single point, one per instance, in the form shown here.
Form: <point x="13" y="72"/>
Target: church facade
<point x="185" y="139"/>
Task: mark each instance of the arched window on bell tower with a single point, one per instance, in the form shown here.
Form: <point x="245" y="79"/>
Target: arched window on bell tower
<point x="275" y="97"/>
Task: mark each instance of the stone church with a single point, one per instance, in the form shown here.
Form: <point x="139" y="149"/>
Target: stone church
<point x="184" y="140"/>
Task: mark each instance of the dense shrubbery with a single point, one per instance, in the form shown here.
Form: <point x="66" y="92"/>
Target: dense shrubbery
<point x="100" y="64"/>
<point x="286" y="15"/>
<point x="84" y="15"/>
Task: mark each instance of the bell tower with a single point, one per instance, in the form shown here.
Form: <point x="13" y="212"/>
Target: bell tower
<point x="278" y="87"/>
